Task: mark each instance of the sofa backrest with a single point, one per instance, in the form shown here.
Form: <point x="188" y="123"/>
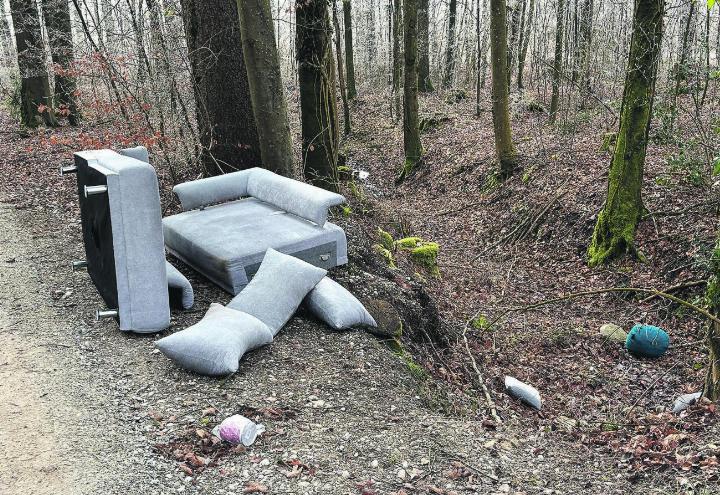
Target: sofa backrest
<point x="298" y="198"/>
<point x="301" y="199"/>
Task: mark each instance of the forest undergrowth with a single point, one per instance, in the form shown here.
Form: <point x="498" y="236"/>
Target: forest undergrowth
<point x="507" y="244"/>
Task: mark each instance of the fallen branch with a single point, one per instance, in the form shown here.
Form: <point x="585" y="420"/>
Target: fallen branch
<point x="672" y="288"/>
<point x="575" y="295"/>
<point x="481" y="380"/>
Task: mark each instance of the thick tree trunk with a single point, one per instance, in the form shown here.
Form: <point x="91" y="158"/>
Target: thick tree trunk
<point x="57" y="21"/>
<point x="227" y="131"/>
<point x="35" y="98"/>
<point x="525" y="43"/>
<point x="450" y="52"/>
<point x="557" y="64"/>
<point x="349" y="51"/>
<point x="8" y="51"/>
<point x="267" y="93"/>
<point x="500" y="105"/>
<point x="318" y="113"/>
<point x="681" y="69"/>
<point x="423" y="30"/>
<point x="340" y="71"/>
<point x="615" y="228"/>
<point x="411" y="125"/>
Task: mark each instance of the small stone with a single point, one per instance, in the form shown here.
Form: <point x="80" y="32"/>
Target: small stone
<point x="526" y="393"/>
<point x="374" y="464"/>
<point x="613" y="332"/>
<point x="424" y="461"/>
<point x="685" y="401"/>
<point x="401" y="474"/>
<point x="565" y="423"/>
<point x="345" y="474"/>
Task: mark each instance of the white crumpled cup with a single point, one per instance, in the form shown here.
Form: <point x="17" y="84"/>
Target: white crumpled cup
<point x="238" y="429"/>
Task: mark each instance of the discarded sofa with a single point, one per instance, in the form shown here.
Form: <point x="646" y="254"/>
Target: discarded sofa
<point x="230" y="221"/>
<point x="122" y="235"/>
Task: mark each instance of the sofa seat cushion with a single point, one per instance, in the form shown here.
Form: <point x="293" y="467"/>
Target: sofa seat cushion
<point x="227" y="242"/>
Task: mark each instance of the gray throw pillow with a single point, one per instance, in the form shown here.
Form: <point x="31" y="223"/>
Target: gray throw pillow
<point x="277" y="289"/>
<point x="215" y="344"/>
<point x="335" y="305"/>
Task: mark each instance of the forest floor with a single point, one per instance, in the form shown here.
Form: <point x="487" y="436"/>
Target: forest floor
<point x="90" y="409"/>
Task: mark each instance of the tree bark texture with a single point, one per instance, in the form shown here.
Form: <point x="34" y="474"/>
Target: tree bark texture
<point x="59" y="29"/>
<point x="349" y="51"/>
<point x="411" y="124"/>
<point x="423" y="29"/>
<point x="557" y="63"/>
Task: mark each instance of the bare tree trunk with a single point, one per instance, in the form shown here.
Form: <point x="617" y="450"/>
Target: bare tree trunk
<point x="349" y="50"/>
<point x="501" y="113"/>
<point x="396" y="54"/>
<point x="585" y="43"/>
<point x="514" y="34"/>
<point x="557" y="64"/>
<point x="423" y="29"/>
<point x="340" y="71"/>
<point x="265" y="83"/>
<point x="524" y="43"/>
<point x="450" y="51"/>
<point x="228" y="136"/>
<point x="36" y="105"/>
<point x="57" y="21"/>
<point x="411" y="125"/>
<point x="318" y="113"/>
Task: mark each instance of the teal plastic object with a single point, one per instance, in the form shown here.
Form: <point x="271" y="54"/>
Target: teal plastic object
<point x="647" y="341"/>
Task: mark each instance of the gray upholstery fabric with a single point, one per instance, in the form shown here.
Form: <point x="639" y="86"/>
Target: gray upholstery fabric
<point x="137" y="240"/>
<point x="138" y="152"/>
<point x="277" y="289"/>
<point x="218" y="189"/>
<point x="299" y="198"/>
<point x="227" y="242"/>
<point x="336" y="306"/>
<point x="215" y="344"/>
<point x="177" y="280"/>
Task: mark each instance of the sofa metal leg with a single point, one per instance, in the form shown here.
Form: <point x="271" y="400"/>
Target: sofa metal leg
<point x="93" y="190"/>
<point x="68" y="169"/>
<point x="79" y="265"/>
<point x="104" y="314"/>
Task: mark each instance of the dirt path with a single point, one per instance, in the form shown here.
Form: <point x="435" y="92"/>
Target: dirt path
<point x="31" y="434"/>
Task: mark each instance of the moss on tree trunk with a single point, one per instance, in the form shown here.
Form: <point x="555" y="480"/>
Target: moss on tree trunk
<point x="500" y="107"/>
<point x="35" y="98"/>
<point x="318" y="112"/>
<point x="616" y="224"/>
<point x="712" y="380"/>
<point x="267" y="93"/>
<point x="411" y="124"/>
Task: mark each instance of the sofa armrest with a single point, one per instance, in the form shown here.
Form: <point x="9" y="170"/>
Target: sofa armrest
<point x="212" y="190"/>
<point x="298" y="198"/>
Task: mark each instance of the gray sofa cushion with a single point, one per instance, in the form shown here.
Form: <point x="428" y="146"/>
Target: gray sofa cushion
<point x="127" y="244"/>
<point x="218" y="189"/>
<point x="277" y="289"/>
<point x="178" y="284"/>
<point x="215" y="344"/>
<point x="337" y="307"/>
<point x="227" y="242"/>
<point x="299" y="198"/>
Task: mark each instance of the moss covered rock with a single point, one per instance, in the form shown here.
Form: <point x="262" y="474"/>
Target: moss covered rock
<point x="426" y="255"/>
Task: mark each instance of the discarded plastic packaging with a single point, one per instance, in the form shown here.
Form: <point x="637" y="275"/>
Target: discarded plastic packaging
<point x="526" y="393"/>
<point x="238" y="429"/>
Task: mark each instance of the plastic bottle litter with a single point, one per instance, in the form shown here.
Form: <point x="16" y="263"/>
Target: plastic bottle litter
<point x="238" y="430"/>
